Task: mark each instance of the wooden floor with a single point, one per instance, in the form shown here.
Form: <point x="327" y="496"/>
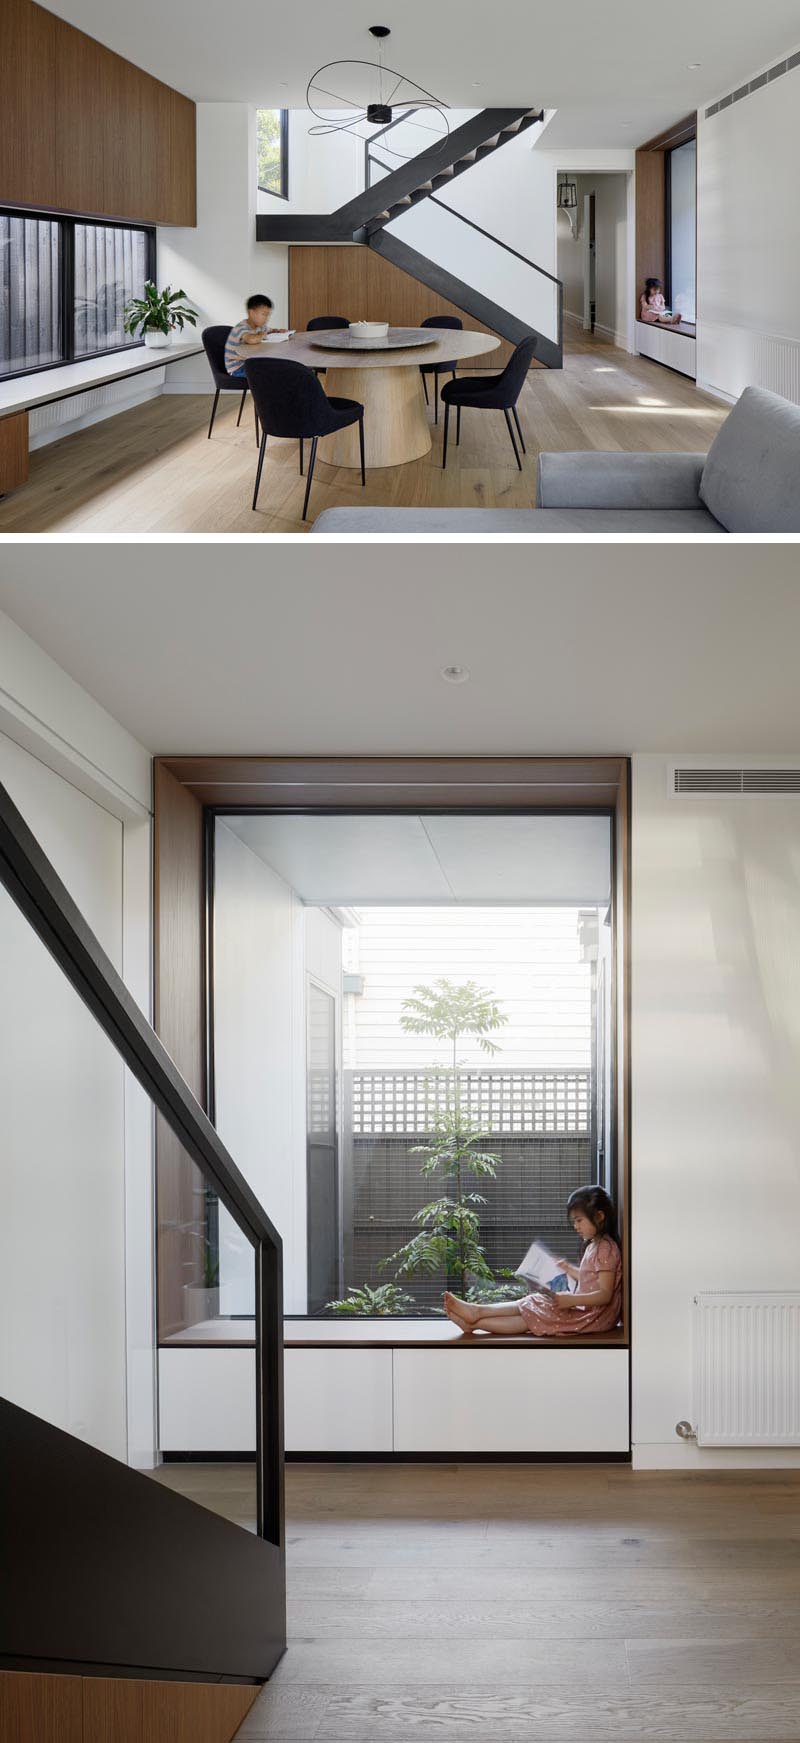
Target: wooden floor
<point x="544" y="1604"/>
<point x="151" y="470"/>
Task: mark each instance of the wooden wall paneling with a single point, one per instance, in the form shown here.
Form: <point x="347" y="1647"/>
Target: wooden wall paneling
<point x="28" y="107"/>
<point x="13" y="451"/>
<point x="84" y="130"/>
<point x="132" y="1711"/>
<point x="650" y="219"/>
<point x="40" y="1709"/>
<point x="180" y="197"/>
<point x="354" y="281"/>
<point x="179" y="1005"/>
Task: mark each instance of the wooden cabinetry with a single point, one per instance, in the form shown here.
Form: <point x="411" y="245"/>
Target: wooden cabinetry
<point x="83" y="130"/>
<point x="13" y="451"/>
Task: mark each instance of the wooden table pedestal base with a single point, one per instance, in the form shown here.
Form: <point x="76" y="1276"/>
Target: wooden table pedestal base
<point x="395" y="424"/>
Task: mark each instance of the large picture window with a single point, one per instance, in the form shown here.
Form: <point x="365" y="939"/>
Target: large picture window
<point x="272" y="135"/>
<point x="64" y="283"/>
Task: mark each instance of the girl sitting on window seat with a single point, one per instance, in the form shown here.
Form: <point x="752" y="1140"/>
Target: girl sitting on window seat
<point x="596" y="1305"/>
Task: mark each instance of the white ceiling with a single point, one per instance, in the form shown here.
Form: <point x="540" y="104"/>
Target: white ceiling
<point x="354" y="861"/>
<point x="603" y="65"/>
<point x="305" y="646"/>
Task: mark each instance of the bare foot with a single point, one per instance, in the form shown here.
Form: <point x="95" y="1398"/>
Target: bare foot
<point x="463" y="1312"/>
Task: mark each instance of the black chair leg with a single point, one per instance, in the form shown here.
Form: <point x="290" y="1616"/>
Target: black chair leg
<point x="458" y="426"/>
<point x="425" y="386"/>
<point x="310" y="474"/>
<point x="507" y="416"/>
<point x="519" y="429"/>
<point x="241" y="408"/>
<point x="213" y="413"/>
<point x="262" y="452"/>
<point x="446" y="427"/>
<point x="436" y="395"/>
<point x="301" y="456"/>
<point x="258" y="432"/>
<point x="361" y="448"/>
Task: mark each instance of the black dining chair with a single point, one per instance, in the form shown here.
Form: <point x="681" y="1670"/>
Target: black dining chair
<point x="491" y="393"/>
<point x="289" y="401"/>
<point x="324" y="323"/>
<point x="214" y="341"/>
<point x="437" y="369"/>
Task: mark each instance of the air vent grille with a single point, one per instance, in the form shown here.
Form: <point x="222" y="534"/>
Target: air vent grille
<point x="736" y="780"/>
<point x="775" y="72"/>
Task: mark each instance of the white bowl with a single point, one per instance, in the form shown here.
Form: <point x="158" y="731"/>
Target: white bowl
<point x="369" y="329"/>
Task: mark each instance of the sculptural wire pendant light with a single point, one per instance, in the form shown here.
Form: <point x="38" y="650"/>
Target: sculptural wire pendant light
<point x="397" y="95"/>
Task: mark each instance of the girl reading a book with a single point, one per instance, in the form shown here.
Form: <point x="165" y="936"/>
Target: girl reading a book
<point x="596" y="1303"/>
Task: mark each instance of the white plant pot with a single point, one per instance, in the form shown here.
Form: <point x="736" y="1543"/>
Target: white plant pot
<point x="201" y="1304"/>
<point x="157" y="340"/>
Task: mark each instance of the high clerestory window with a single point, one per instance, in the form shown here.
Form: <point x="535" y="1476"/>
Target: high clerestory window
<point x="64" y="283"/>
<point x="272" y="135"/>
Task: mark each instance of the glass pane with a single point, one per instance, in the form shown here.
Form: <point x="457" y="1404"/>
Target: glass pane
<point x="682" y="209"/>
<point x="30" y="306"/>
<point x="110" y="268"/>
<point x="269" y="137"/>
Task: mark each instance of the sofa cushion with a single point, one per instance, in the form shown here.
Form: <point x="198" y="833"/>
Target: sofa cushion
<point x="751" y="479"/>
<point x="516" y="522"/>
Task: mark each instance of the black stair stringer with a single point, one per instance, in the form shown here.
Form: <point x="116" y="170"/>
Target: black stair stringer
<point x="374" y="205"/>
<point x="109" y="1573"/>
<point x="456" y="291"/>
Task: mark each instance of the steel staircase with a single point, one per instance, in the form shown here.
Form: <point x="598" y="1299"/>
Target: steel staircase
<point x="365" y="220"/>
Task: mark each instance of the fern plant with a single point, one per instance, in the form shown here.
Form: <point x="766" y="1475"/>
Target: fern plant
<point x="378" y="1303"/>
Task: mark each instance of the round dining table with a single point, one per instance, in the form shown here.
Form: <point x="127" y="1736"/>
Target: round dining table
<point x="384" y="376"/>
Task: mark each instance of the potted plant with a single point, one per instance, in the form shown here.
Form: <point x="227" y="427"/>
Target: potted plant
<point x="202" y="1299"/>
<point x="157" y="313"/>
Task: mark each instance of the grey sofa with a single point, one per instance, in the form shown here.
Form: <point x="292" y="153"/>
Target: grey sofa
<point x="749" y="482"/>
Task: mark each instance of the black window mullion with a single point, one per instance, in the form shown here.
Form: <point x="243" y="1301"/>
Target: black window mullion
<point x="68" y="289"/>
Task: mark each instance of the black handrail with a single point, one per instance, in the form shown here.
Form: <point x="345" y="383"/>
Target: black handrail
<point x="491" y="238"/>
<point x="369" y="143"/>
<point x="36" y="888"/>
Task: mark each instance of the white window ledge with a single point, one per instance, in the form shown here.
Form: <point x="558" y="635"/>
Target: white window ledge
<point x="43" y="386"/>
<point x="375" y="1334"/>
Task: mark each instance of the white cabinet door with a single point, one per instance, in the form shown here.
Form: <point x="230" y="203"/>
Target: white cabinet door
<point x="527" y="1400"/>
<point x="207" y="1400"/>
<point x="338" y="1400"/>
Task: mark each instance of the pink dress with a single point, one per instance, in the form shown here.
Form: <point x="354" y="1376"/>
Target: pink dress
<point x="545" y="1320"/>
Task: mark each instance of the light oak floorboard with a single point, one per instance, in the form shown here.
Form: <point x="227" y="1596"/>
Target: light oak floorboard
<point x="491" y="1604"/>
<point x="151" y="469"/>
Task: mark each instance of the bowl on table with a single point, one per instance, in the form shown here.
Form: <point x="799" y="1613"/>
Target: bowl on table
<point x="369" y="329"/>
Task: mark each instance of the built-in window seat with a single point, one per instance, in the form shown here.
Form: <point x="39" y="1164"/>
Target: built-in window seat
<point x="382" y="1388"/>
<point x="98" y="376"/>
<point x="675" y="346"/>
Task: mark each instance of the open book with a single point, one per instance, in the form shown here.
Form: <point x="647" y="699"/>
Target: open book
<point x="541" y="1269"/>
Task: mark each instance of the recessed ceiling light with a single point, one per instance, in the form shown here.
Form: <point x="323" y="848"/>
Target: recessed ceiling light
<point x="455" y="674"/>
<point x="693" y="66"/>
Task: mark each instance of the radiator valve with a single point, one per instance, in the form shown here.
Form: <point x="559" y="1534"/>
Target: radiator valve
<point x="685" y="1431"/>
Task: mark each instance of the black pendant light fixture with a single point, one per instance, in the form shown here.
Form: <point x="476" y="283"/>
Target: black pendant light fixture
<point x="567" y="195"/>
<point x="346" y="95"/>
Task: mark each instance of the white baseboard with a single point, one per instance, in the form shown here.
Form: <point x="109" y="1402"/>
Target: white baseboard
<point x="715" y="392"/>
<point x="614" y="338"/>
<point x="685" y="1456"/>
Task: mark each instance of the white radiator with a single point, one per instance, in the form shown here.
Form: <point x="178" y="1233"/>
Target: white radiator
<point x="747" y="1369"/>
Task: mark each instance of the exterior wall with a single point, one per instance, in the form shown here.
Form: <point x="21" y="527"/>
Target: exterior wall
<point x="716" y="1081"/>
<point x="748" y="244"/>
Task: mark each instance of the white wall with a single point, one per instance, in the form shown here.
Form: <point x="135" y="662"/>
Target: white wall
<point x="220" y="263"/>
<point x="260" y="1058"/>
<point x="77" y="1151"/>
<point x="748" y="242"/>
<point x="62" y="1231"/>
<point x="716" y="1080"/>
